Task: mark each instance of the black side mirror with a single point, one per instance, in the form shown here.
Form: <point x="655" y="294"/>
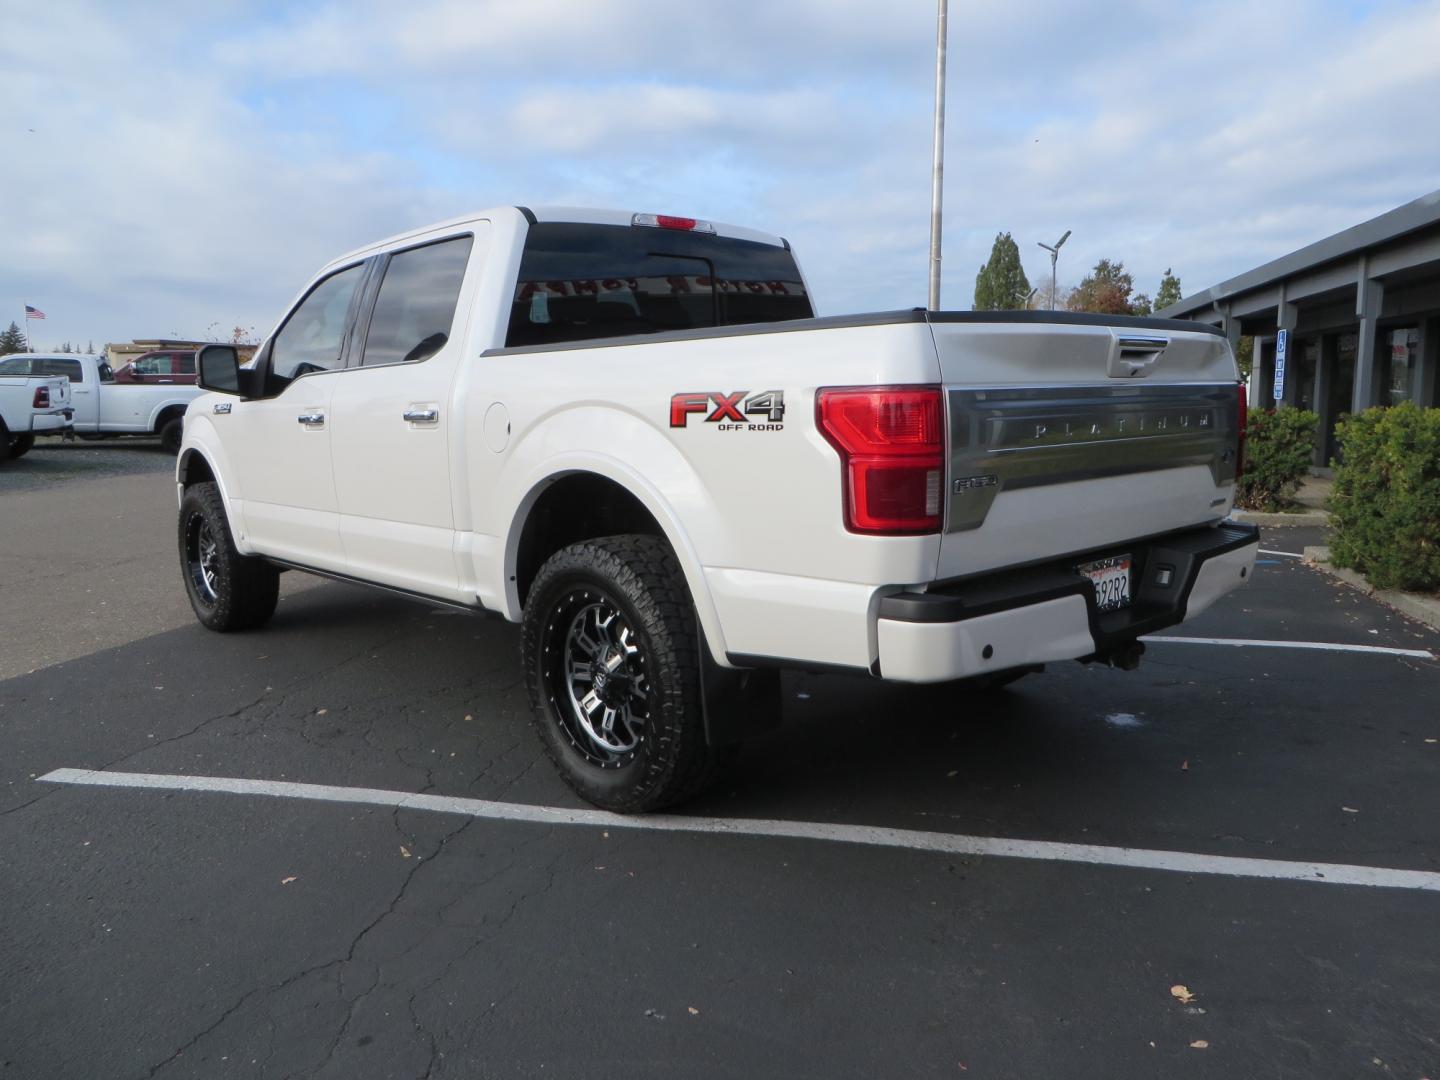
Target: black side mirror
<point x="218" y="368"/>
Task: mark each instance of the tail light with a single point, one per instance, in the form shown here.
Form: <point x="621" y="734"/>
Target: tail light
<point x="1243" y="419"/>
<point x="42" y="398"/>
<point x="891" y="441"/>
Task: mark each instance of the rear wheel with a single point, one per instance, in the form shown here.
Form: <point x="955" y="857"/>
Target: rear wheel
<point x="228" y="591"/>
<point x="20" y="445"/>
<point x="612" y="662"/>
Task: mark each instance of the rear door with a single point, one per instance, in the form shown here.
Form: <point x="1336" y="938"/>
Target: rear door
<point x="1071" y="436"/>
<point x="392" y="419"/>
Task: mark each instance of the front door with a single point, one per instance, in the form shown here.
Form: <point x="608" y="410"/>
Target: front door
<point x="392" y="424"/>
<point x="283" y="441"/>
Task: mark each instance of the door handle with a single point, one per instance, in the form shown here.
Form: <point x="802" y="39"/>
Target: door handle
<point x="312" y="419"/>
<point x="422" y="416"/>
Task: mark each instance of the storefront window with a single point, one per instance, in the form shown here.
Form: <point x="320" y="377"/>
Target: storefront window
<point x="1305" y="358"/>
<point x="1401" y="356"/>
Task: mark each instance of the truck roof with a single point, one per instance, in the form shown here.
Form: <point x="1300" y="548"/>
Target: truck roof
<point x="578" y="214"/>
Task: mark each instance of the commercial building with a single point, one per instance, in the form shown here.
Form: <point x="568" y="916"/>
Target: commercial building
<point x="1361" y="315"/>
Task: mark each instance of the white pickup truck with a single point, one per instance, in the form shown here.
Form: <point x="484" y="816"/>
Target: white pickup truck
<point x="31" y="405"/>
<point x="630" y="434"/>
<point x="104" y="407"/>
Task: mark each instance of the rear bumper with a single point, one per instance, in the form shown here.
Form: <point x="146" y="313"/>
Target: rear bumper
<point x="48" y="423"/>
<point x="1048" y="613"/>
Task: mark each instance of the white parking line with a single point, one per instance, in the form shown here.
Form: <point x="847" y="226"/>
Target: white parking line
<point x="1287" y="554"/>
<point x="1184" y="862"/>
<point x="1324" y="646"/>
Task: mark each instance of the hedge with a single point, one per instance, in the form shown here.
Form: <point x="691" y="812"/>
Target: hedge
<point x="1386" y="503"/>
<point x="1278" y="447"/>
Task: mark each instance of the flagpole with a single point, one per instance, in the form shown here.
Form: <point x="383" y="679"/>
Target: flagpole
<point x="29" y="346"/>
<point x="938" y="166"/>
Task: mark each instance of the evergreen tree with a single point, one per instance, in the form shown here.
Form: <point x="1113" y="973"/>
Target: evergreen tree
<point x="90" y="347"/>
<point x="1169" y="291"/>
<point x="12" y="340"/>
<point x="1001" y="283"/>
<point x="1106" y="290"/>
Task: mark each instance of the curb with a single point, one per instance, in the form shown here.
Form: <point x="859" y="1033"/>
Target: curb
<point x="1256" y="517"/>
<point x="1423" y="609"/>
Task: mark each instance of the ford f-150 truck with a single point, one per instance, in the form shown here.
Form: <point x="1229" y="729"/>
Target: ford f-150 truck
<point x="630" y="433"/>
<point x="104" y="407"/>
<point x="31" y="405"/>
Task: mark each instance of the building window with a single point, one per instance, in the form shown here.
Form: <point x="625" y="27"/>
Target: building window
<point x="1400" y="359"/>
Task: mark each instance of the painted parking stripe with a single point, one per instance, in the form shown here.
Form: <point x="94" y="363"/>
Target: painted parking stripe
<point x="1287" y="554"/>
<point x="1183" y="862"/>
<point x="1324" y="646"/>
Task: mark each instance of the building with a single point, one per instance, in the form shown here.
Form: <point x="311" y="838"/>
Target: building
<point x="118" y="354"/>
<point x="1361" y="311"/>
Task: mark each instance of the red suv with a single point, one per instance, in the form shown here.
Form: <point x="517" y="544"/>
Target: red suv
<point x="160" y="366"/>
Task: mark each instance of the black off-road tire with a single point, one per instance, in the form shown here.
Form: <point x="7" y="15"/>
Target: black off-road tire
<point x="172" y="432"/>
<point x="20" y="445"/>
<point x="228" y="591"/>
<point x="638" y="580"/>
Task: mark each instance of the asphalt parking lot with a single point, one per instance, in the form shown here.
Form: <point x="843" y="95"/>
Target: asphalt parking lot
<point x="885" y="927"/>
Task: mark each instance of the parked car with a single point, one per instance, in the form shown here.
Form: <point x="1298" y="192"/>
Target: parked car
<point x="160" y="367"/>
<point x="630" y="434"/>
<point x="104" y="407"/>
<point x="31" y="405"/>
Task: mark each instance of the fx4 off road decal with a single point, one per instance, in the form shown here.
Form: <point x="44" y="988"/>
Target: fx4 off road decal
<point x="731" y="412"/>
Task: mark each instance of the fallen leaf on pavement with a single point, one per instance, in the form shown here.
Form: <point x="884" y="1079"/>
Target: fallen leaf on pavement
<point x="1349" y="809"/>
<point x="469" y="717"/>
<point x="1199" y="1044"/>
<point x="321" y="712"/>
<point x="405" y="851"/>
<point x="692" y="1010"/>
<point x="1182" y="993"/>
<point x="286" y="881"/>
<point x="1185" y="765"/>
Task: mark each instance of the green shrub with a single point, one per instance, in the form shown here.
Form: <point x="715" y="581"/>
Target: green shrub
<point x="1386" y="503"/>
<point x="1278" y="447"/>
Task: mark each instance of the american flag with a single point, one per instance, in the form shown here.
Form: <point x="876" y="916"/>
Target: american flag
<point x="33" y="312"/>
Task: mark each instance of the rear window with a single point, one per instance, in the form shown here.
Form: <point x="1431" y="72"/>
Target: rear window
<point x="43" y="365"/>
<point x="594" y="281"/>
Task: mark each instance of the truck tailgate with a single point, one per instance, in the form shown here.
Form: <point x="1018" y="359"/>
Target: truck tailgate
<point x="59" y="393"/>
<point x="1067" y="437"/>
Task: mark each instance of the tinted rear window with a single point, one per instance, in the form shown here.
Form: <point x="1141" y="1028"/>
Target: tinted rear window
<point x="43" y="365"/>
<point x="593" y="281"/>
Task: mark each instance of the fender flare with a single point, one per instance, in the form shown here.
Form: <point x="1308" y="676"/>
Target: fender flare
<point x="619" y="472"/>
<point x="196" y="444"/>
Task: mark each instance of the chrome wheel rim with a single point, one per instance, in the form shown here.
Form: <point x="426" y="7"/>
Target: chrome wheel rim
<point x="597" y="678"/>
<point x="202" y="559"/>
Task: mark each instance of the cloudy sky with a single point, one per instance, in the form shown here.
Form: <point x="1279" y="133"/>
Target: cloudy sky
<point x="182" y="168"/>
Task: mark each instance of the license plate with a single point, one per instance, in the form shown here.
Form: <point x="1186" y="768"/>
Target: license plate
<point x="1112" y="581"/>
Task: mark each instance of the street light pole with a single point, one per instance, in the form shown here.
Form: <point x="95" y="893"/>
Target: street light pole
<point x="1054" y="258"/>
<point x="938" y="170"/>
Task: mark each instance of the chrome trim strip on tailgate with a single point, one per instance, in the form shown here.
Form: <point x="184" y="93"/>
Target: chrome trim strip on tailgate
<point x="1008" y="438"/>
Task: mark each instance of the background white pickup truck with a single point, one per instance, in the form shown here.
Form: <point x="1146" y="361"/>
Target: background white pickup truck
<point x="30" y="406"/>
<point x="104" y="407"/>
<point x="630" y="433"/>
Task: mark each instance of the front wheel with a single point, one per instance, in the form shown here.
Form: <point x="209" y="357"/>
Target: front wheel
<point x="228" y="591"/>
<point x="172" y="434"/>
<point x="612" y="663"/>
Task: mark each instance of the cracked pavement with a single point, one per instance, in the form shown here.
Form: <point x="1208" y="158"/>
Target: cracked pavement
<point x="178" y="934"/>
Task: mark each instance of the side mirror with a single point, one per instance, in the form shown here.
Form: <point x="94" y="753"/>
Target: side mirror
<point x="217" y="368"/>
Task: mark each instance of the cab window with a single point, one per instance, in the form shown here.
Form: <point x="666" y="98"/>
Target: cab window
<point x="415" y="308"/>
<point x="313" y="336"/>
